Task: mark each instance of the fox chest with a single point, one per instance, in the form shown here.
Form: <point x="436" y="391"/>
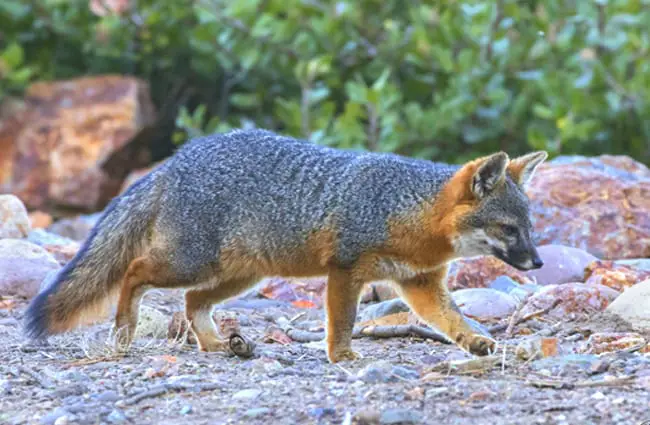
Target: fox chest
<point x="392" y="269"/>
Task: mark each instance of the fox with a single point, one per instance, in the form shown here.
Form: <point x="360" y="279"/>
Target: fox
<point x="227" y="210"/>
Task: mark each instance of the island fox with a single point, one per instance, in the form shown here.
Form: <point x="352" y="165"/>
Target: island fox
<point x="229" y="209"/>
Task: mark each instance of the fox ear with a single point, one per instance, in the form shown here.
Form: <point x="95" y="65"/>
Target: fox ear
<point x="490" y="173"/>
<point x="521" y="169"/>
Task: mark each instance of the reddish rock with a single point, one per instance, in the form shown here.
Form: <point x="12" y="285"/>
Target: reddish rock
<point x="295" y="290"/>
<point x="608" y="342"/>
<point x="562" y="264"/>
<point x="14" y="221"/>
<point x="76" y="143"/>
<point x="479" y="272"/>
<point x="616" y="276"/>
<point x="40" y="219"/>
<point x="573" y="300"/>
<point x="600" y="205"/>
<point x="135" y="175"/>
<point x="12" y="118"/>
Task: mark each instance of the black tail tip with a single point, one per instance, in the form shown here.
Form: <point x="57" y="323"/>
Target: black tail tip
<point x="36" y="318"/>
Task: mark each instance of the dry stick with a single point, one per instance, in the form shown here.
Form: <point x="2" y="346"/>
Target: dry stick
<point x="548" y="383"/>
<point x="161" y="389"/>
<point x="515" y="315"/>
<point x="500" y="327"/>
<point x="383" y="331"/>
<point x="41" y="380"/>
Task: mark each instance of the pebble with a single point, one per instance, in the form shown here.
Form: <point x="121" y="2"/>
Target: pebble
<point x="367" y="416"/>
<point x="116" y="417"/>
<point x="186" y="410"/>
<point x="257" y="412"/>
<point x="109" y="396"/>
<point x="400" y="416"/>
<point x="383" y="371"/>
<point x="51" y="418"/>
<point x="249" y="394"/>
<point x="321" y="412"/>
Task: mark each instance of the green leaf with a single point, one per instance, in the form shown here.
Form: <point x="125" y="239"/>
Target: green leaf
<point x="13" y="55"/>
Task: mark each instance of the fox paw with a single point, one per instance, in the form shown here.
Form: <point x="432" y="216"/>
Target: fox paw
<point x="343" y="355"/>
<point x="477" y="345"/>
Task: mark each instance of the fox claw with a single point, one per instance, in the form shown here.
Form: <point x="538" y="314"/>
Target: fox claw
<point x="477" y="345"/>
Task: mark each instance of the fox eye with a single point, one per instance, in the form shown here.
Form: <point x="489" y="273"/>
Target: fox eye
<point x="509" y="229"/>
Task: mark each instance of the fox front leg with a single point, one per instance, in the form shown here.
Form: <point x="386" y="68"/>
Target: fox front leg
<point x="429" y="298"/>
<point x="342" y="300"/>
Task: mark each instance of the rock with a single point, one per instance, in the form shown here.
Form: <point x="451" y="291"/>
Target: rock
<point x="40" y="219"/>
<point x="478" y="272"/>
<point x="76" y="141"/>
<point x="257" y="412"/>
<point x="575" y="299"/>
<point x="562" y="365"/>
<point x="116" y="417"/>
<point x="249" y="394"/>
<point x="635" y="263"/>
<point x="608" y="342"/>
<point x="484" y="303"/>
<point x="23" y="266"/>
<point x="151" y="323"/>
<point x="632" y="306"/>
<point x="385" y="308"/>
<point x="12" y="119"/>
<point x="512" y="288"/>
<point x="136" y="175"/>
<point x="61" y="248"/>
<point x="186" y="410"/>
<point x="562" y="264"/>
<point x="384" y="371"/>
<point x="616" y="276"/>
<point x="320" y="412"/>
<point x="52" y="417"/>
<point x="295" y="291"/>
<point x="178" y="329"/>
<point x="77" y="228"/>
<point x="14" y="221"/>
<point x="606" y="212"/>
<point x="536" y="348"/>
<point x="367" y="416"/>
<point x="378" y="291"/>
<point x="400" y="416"/>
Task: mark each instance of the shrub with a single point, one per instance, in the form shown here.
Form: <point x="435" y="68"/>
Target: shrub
<point x="445" y="82"/>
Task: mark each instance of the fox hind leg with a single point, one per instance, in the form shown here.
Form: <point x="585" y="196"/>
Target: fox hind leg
<point x="198" y="310"/>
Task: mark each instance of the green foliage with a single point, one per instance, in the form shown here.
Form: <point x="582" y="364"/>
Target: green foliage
<point x="441" y="80"/>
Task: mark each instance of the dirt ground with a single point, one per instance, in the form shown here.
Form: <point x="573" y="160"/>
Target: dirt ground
<point x="79" y="380"/>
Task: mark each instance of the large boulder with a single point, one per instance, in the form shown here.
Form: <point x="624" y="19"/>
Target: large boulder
<point x="23" y="267"/>
<point x="599" y="204"/>
<point x="570" y="300"/>
<point x="14" y="221"/>
<point x="479" y="272"/>
<point x="77" y="140"/>
<point x="615" y="275"/>
<point x="562" y="264"/>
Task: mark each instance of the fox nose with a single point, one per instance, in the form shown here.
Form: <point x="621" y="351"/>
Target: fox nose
<point x="537" y="262"/>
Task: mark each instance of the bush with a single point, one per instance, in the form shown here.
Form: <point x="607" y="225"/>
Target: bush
<point x="445" y="82"/>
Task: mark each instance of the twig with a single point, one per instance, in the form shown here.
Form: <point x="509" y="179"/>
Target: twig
<point x="550" y="383"/>
<point x="162" y="389"/>
<point x="515" y="315"/>
<point x="395" y="331"/>
<point x="540" y="312"/>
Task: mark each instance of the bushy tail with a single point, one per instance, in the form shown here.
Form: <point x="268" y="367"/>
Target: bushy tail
<point x="85" y="289"/>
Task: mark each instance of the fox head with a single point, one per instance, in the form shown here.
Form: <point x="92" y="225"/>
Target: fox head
<point x="495" y="219"/>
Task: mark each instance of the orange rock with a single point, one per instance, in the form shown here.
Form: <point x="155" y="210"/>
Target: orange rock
<point x="616" y="276"/>
<point x="607" y="342"/>
<point x="76" y="143"/>
<point x="479" y="272"/>
<point x="600" y="205"/>
<point x="40" y="219"/>
<point x="12" y="118"/>
<point x="574" y="300"/>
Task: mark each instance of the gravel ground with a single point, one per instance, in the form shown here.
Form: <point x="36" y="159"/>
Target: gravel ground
<point x="78" y="380"/>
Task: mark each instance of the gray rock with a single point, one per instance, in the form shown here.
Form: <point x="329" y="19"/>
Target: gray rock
<point x="384" y="308"/>
<point x="257" y="412"/>
<point x="484" y="303"/>
<point x="249" y="394"/>
<point x="562" y="264"/>
<point x="561" y="365"/>
<point x="186" y="410"/>
<point x="76" y="228"/>
<point x="116" y="417"/>
<point x="400" y="416"/>
<point x="384" y="371"/>
<point x="51" y="417"/>
<point x="512" y="288"/>
<point x="151" y="323"/>
<point x="109" y="396"/>
<point x="23" y="266"/>
<point x="633" y="305"/>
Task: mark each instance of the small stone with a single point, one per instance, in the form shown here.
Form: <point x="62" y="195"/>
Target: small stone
<point x="23" y="266"/>
<point x="249" y="394"/>
<point x="599" y="366"/>
<point x="40" y="219"/>
<point x="517" y="290"/>
<point x="385" y="308"/>
<point x="635" y="263"/>
<point x="116" y="417"/>
<point x="400" y="416"/>
<point x="257" y="412"/>
<point x="109" y="396"/>
<point x="321" y="412"/>
<point x="384" y="371"/>
<point x="63" y="420"/>
<point x="484" y="303"/>
<point x="598" y="396"/>
<point x="186" y="410"/>
<point x="51" y="417"/>
<point x="367" y="416"/>
<point x="607" y="342"/>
